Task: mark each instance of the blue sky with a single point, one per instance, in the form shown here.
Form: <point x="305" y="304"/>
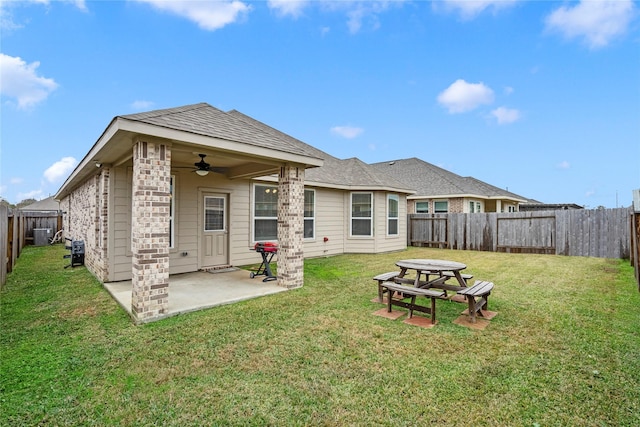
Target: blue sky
<point x="541" y="98"/>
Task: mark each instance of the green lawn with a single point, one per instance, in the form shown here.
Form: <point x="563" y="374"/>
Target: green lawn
<point x="564" y="350"/>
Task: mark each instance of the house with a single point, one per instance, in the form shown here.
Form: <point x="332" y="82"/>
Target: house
<point x="194" y="188"/>
<point x="45" y="205"/>
<point x="530" y="206"/>
<point x="40" y="221"/>
<point x="440" y="191"/>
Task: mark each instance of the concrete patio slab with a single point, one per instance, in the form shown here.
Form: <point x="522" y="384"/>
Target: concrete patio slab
<point x="199" y="290"/>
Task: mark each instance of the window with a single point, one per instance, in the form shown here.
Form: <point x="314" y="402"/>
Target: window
<point x="265" y="212"/>
<point x="441" y="206"/>
<point x="214" y="213"/>
<point x="309" y="214"/>
<point x="475" y="207"/>
<point x="422" y="207"/>
<point x="172" y="209"/>
<point x="393" y="203"/>
<point x="361" y="214"/>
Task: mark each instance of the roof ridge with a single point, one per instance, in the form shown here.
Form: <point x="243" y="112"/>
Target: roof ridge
<point x="166" y="111"/>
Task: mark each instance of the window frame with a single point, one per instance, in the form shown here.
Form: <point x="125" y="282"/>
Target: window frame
<point x="311" y="218"/>
<point x="390" y="218"/>
<point x="206" y="209"/>
<point x="172" y="211"/>
<point x="435" y="204"/>
<point x="353" y="218"/>
<point x="422" y="202"/>
<point x="257" y="217"/>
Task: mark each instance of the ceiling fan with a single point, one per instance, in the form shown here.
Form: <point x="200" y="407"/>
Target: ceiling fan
<point x="203" y="168"/>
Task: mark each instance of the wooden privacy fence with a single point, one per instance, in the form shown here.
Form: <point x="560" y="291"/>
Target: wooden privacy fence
<point x="17" y="229"/>
<point x="603" y="233"/>
<point x="635" y="245"/>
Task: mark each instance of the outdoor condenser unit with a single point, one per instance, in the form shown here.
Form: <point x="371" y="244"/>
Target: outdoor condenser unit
<point x="41" y="236"/>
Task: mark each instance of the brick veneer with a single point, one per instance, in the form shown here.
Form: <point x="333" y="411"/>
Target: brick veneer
<point x="85" y="218"/>
<point x="290" y="227"/>
<point x="150" y="230"/>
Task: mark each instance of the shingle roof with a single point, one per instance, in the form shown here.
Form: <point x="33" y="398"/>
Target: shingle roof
<point x="334" y="171"/>
<point x="429" y="180"/>
<point x="203" y="119"/>
<point x="48" y="204"/>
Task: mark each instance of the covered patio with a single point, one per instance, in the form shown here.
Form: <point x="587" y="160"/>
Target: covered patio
<point x="200" y="290"/>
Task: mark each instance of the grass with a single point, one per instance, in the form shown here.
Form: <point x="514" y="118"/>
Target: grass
<point x="564" y="350"/>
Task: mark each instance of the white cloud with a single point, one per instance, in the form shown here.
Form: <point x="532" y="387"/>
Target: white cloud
<point x="508" y="90"/>
<point x="19" y="80"/>
<point x="209" y="15"/>
<point x="506" y="115"/>
<point x="60" y="169"/>
<point x="360" y="13"/>
<point x="16" y="181"/>
<point x="348" y="132"/>
<point x="469" y="9"/>
<point x="462" y="96"/>
<point x="367" y="11"/>
<point x="597" y="22"/>
<point x="141" y="105"/>
<point x="291" y="8"/>
<point x="563" y="165"/>
<point x="6" y="11"/>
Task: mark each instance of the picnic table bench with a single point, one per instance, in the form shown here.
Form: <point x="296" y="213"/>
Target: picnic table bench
<point x="384" y="277"/>
<point x="480" y="290"/>
<point x="413" y="292"/>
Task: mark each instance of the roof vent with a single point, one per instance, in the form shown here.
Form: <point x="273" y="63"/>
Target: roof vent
<point x="392" y="163"/>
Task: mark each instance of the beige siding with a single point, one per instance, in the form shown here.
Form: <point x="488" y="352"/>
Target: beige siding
<point x="183" y="256"/>
<point x="358" y="244"/>
<point x="121" y="233"/>
<point x="380" y="242"/>
<point x="329" y="223"/>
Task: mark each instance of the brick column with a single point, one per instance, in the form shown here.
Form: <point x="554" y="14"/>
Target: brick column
<point x="150" y="230"/>
<point x="290" y="227"/>
<point x="102" y="225"/>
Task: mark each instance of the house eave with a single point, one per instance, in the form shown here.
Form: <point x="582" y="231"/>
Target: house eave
<point x="122" y="132"/>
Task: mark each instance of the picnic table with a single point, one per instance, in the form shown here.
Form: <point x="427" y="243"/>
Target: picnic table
<point x="405" y="286"/>
<point x="442" y="269"/>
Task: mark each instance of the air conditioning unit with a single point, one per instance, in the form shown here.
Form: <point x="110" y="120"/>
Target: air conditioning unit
<point x="41" y="236"/>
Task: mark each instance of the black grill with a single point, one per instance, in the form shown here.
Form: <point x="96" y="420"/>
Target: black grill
<point x="77" y="252"/>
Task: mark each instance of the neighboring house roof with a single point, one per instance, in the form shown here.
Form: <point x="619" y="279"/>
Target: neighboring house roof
<point x="336" y="173"/>
<point x="432" y="181"/>
<point x="48" y="204"/>
<point x="548" y="206"/>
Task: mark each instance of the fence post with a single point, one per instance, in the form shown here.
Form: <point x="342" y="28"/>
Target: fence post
<point x="4" y="241"/>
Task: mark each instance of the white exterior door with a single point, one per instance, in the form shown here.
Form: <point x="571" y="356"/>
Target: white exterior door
<point x="215" y="231"/>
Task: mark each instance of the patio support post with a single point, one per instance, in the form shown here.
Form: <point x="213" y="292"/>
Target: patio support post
<point x="290" y="226"/>
<point x="150" y="230"/>
<point x="101" y="267"/>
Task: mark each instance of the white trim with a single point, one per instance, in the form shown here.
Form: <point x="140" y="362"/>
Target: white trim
<point x="351" y="217"/>
<point x="396" y="218"/>
<point x="253" y="213"/>
<point x="440" y="201"/>
<point x="311" y="218"/>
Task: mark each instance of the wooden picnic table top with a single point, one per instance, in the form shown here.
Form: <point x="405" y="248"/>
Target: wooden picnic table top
<point x="430" y="265"/>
